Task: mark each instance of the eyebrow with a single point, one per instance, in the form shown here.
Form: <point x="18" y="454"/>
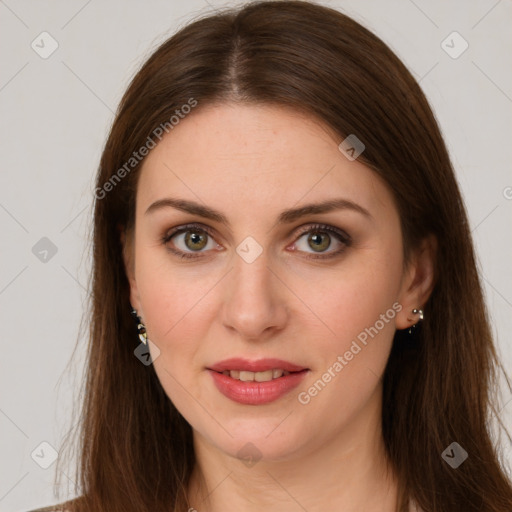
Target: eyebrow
<point x="285" y="217"/>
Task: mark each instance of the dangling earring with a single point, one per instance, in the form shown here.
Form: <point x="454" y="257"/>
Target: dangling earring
<point x="141" y="328"/>
<point x="416" y="312"/>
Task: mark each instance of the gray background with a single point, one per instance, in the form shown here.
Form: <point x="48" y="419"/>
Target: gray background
<point x="55" y="117"/>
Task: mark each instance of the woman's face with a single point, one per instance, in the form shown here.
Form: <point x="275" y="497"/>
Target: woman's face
<point x="321" y="291"/>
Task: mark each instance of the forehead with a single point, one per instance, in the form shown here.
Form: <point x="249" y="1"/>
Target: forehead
<point x="255" y="156"/>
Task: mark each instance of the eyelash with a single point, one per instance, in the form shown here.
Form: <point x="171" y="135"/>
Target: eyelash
<point x="321" y="228"/>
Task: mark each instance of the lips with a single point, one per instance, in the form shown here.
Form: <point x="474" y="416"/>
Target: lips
<point x="261" y="365"/>
<point x="256" y="382"/>
<point x="248" y="376"/>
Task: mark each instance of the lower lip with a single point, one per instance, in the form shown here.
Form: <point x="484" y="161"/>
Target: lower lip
<point x="256" y="393"/>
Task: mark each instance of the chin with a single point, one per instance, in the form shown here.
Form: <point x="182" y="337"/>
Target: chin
<point x="264" y="439"/>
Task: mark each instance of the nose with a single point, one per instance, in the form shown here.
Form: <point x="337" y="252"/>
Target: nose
<point x="255" y="302"/>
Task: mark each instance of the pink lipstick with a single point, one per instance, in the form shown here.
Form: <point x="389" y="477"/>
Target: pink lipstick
<point x="256" y="382"/>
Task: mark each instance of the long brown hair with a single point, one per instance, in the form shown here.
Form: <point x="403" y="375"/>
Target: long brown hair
<point x="136" y="448"/>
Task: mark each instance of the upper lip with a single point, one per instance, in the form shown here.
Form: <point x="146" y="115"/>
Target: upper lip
<point x="259" y="365"/>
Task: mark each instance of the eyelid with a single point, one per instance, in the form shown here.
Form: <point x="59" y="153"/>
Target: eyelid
<point x="343" y="237"/>
<point x="324" y="227"/>
<point x="188" y="227"/>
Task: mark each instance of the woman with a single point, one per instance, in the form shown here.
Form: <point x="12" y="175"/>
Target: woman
<point x="276" y="208"/>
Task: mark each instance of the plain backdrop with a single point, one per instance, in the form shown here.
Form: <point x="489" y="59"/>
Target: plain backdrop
<point x="55" y="116"/>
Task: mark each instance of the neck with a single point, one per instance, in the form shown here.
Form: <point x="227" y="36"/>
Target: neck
<point x="350" y="473"/>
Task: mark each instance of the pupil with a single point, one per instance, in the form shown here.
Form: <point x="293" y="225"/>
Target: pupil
<point x="195" y="239"/>
<point x="317" y="241"/>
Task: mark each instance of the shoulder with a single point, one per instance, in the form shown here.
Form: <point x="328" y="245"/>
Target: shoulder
<point x="53" y="508"/>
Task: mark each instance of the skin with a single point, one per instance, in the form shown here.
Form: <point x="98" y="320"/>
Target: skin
<point x="251" y="162"/>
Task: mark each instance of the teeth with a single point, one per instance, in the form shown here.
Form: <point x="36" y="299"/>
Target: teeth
<point x="247" y="376"/>
<point x="263" y="376"/>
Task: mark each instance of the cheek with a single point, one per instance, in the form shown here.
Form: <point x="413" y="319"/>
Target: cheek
<point x="354" y="296"/>
<point x="180" y="313"/>
<point x="357" y="326"/>
<point x="349" y="363"/>
<point x="167" y="290"/>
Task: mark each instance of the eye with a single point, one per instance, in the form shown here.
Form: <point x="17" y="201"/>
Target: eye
<point x="192" y="237"/>
<point x="320" y="239"/>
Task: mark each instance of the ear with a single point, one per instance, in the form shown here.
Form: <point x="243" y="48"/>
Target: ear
<point x="128" y="250"/>
<point x="418" y="282"/>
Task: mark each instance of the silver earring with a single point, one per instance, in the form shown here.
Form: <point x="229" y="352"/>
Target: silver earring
<point x="141" y="328"/>
<point x="416" y="312"/>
